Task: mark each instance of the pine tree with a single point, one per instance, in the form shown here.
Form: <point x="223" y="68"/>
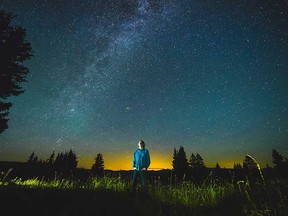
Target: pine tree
<point x="238" y="173"/>
<point x="35" y="160"/>
<point x="4" y="111"/>
<point x="180" y="163"/>
<point x="193" y="161"/>
<point x="217" y="166"/>
<point x="196" y="161"/>
<point x="277" y="159"/>
<point x="98" y="167"/>
<point x="71" y="160"/>
<point x="237" y="166"/>
<point x="31" y="158"/>
<point x="51" y="158"/>
<point x="14" y="50"/>
<point x="175" y="159"/>
<point x="59" y="161"/>
<point x="200" y="161"/>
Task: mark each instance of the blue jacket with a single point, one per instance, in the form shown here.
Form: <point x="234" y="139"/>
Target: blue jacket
<point x="141" y="159"/>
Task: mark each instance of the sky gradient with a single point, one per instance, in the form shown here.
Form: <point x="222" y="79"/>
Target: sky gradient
<point x="210" y="76"/>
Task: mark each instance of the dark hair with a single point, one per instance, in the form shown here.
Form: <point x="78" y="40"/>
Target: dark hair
<point x="142" y="144"/>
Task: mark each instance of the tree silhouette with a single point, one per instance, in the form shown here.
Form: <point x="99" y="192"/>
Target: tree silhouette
<point x="32" y="158"/>
<point x="200" y="161"/>
<point x="14" y="50"/>
<point x="238" y="172"/>
<point x="196" y="161"/>
<point x="4" y="111"/>
<point x="35" y="160"/>
<point x="67" y="161"/>
<point x="237" y="166"/>
<point x="51" y="158"/>
<point x="59" y="160"/>
<point x="71" y="160"/>
<point x="193" y="161"/>
<point x="196" y="169"/>
<point x="217" y="172"/>
<point x="98" y="167"/>
<point x="175" y="159"/>
<point x="277" y="159"/>
<point x="280" y="165"/>
<point x="180" y="163"/>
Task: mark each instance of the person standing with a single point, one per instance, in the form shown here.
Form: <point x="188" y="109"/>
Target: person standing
<point x="141" y="162"/>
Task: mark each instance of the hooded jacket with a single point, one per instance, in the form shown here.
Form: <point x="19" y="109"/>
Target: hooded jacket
<point x="141" y="159"/>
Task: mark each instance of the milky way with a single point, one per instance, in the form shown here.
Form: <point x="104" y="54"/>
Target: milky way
<point x="210" y="76"/>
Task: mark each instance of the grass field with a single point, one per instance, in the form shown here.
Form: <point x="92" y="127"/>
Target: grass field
<point x="112" y="196"/>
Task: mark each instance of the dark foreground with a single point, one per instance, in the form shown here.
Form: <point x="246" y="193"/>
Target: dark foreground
<point x="48" y="202"/>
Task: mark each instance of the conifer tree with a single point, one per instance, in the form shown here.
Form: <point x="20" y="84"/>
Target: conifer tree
<point x="277" y="159"/>
<point x="71" y="160"/>
<point x="193" y="161"/>
<point x="35" y="160"/>
<point x="14" y="50"/>
<point x="175" y="159"/>
<point x="200" y="161"/>
<point x="237" y="166"/>
<point x="98" y="167"/>
<point x="180" y="163"/>
<point x="196" y="161"/>
<point x="51" y="158"/>
<point x="31" y="158"/>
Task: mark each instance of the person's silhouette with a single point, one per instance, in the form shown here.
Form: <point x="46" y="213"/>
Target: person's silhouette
<point x="141" y="162"/>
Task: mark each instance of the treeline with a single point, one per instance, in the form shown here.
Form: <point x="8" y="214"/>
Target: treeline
<point x="67" y="160"/>
<point x="184" y="168"/>
<point x="195" y="170"/>
<point x="66" y="163"/>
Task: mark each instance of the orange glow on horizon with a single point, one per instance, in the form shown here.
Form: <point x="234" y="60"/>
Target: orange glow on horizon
<point x="125" y="163"/>
<point x="158" y="162"/>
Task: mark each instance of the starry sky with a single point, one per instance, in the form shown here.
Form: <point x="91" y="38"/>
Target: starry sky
<point x="207" y="75"/>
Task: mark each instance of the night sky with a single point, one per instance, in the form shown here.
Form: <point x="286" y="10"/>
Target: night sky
<point x="210" y="76"/>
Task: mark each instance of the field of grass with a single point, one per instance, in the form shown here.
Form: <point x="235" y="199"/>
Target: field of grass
<point x="112" y="196"/>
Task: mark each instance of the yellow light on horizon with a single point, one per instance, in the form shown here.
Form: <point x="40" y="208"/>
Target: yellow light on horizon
<point x="159" y="161"/>
<point x="125" y="162"/>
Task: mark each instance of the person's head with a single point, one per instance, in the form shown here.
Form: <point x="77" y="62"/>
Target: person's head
<point x="141" y="144"/>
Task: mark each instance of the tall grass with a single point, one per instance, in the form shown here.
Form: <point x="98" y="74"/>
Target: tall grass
<point x="42" y="183"/>
<point x="107" y="183"/>
<point x="264" y="198"/>
<point x="189" y="194"/>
